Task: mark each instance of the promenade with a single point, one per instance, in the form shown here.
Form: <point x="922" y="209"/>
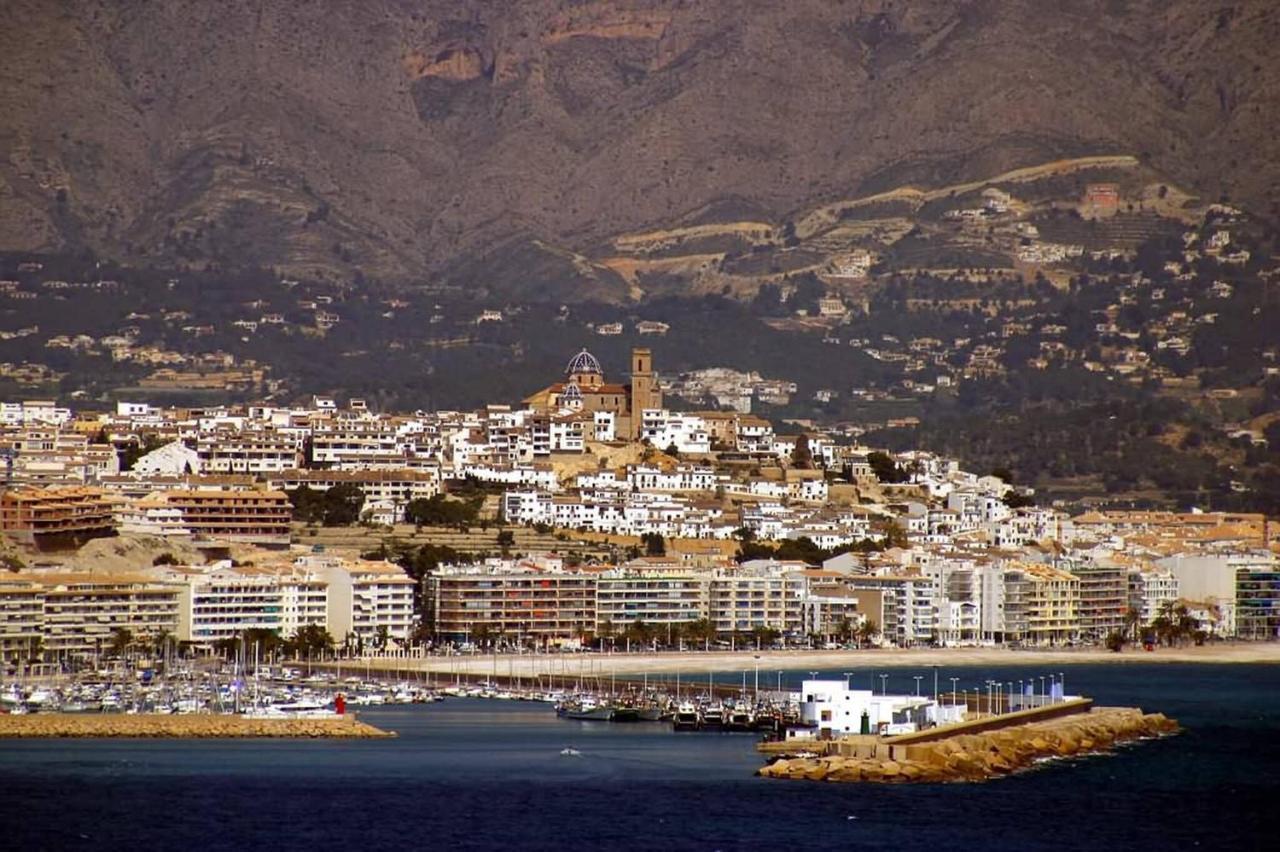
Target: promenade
<point x="671" y="662"/>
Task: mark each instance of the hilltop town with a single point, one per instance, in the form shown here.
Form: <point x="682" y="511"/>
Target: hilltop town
<point x="990" y="321"/>
<point x="589" y="513"/>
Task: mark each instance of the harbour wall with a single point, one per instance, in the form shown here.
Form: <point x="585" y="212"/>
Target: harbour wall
<point x="193" y="726"/>
<point x="968" y="752"/>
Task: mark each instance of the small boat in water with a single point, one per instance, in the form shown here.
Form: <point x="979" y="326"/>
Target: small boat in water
<point x="586" y="710"/>
<point x="625" y="713"/>
<point x="654" y="713"/>
<point x="713" y="717"/>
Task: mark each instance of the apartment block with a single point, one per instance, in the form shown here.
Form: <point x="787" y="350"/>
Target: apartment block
<point x="82" y="611"/>
<point x="518" y="603"/>
<point x="56" y="517"/>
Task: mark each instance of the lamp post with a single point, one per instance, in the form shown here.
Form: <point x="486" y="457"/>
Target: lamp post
<point x="1021" y="694"/>
<point x="847" y="683"/>
<point x="935" y="685"/>
<point x="884" y="684"/>
<point x="954" y="681"/>
<point x="1042" y="689"/>
<point x="917" y="679"/>
<point x="1062" y="684"/>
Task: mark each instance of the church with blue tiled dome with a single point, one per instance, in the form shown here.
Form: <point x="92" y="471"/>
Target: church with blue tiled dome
<point x="584" y="389"/>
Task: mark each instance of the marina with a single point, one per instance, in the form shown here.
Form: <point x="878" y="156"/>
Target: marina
<point x="494" y="760"/>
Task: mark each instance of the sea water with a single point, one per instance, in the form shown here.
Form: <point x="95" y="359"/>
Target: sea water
<point x="474" y="774"/>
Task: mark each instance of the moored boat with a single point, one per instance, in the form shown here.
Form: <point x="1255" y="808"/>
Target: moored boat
<point x="686" y="718"/>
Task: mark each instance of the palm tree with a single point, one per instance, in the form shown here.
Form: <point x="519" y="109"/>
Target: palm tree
<point x="1131" y="620"/>
<point x="121" y="640"/>
<point x="867" y="631"/>
<point x="159" y="641"/>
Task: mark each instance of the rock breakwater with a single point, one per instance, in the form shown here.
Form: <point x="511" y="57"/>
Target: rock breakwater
<point x="979" y="756"/>
<point x="196" y="726"/>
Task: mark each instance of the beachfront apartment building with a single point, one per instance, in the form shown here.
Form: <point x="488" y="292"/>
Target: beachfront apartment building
<point x="830" y="612"/>
<point x="1257" y="605"/>
<point x="750" y="597"/>
<point x="81" y="612"/>
<point x="1030" y="603"/>
<point x="21" y="618"/>
<point x="224" y="600"/>
<point x="518" y="603"/>
<point x="655" y="597"/>
<point x="1104" y="598"/>
<point x="370" y="603"/>
<point x="1151" y="590"/>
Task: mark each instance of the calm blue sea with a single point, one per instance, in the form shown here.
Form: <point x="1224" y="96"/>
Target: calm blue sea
<point x="471" y="774"/>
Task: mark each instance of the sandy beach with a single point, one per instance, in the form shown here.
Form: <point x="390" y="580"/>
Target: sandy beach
<point x="526" y="665"/>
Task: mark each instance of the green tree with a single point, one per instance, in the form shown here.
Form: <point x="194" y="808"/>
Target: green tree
<point x="885" y="468"/>
<point x="308" y="504"/>
<point x="766" y="636"/>
<point x="311" y="639"/>
<point x="654" y="544"/>
<point x="702" y="630"/>
<point x="441" y="511"/>
<point x="506" y="541"/>
<point x="341" y="505"/>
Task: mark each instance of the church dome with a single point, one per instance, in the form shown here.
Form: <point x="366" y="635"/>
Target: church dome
<point x="571" y="393"/>
<point x="583" y="363"/>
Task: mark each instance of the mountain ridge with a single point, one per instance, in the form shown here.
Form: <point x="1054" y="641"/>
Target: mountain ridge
<point x="493" y="144"/>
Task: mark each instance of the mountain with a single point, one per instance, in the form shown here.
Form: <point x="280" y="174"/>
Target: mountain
<point x="510" y="145"/>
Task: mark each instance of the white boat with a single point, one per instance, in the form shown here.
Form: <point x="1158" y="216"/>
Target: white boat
<point x="302" y="708"/>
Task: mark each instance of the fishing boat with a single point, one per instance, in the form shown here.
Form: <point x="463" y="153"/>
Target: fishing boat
<point x="585" y="710"/>
<point x="625" y="713"/>
<point x="739" y="719"/>
<point x="655" y="713"/>
<point x="686" y="718"/>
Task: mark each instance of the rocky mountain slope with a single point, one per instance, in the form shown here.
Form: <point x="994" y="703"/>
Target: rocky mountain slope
<point x="502" y="143"/>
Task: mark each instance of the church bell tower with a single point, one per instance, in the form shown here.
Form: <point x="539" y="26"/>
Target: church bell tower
<point x="644" y="388"/>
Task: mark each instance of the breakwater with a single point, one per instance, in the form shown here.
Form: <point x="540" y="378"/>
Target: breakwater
<point x="941" y="756"/>
<point x="193" y="726"/>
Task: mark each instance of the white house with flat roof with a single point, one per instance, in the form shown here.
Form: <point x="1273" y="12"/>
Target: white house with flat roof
<point x="833" y="708"/>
